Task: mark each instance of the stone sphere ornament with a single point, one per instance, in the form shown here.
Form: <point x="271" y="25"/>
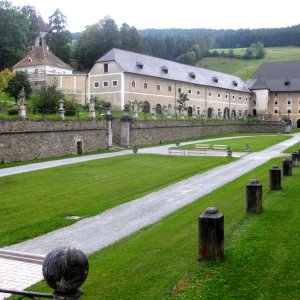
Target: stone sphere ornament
<point x="65" y="269"/>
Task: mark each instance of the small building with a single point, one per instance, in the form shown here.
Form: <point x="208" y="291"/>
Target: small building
<point x="122" y="76"/>
<point x="40" y="61"/>
<point x="276" y="88"/>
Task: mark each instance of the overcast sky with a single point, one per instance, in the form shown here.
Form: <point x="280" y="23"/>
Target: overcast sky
<point x="214" y="14"/>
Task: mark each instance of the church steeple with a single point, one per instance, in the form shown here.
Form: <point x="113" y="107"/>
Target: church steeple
<point x="43" y="30"/>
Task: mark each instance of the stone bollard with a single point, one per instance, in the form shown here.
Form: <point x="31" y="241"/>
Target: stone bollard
<point x="275" y="178"/>
<point x="254" y="196"/>
<point x="65" y="269"/>
<point x="295" y="161"/>
<point x="211" y="235"/>
<point x="287" y="167"/>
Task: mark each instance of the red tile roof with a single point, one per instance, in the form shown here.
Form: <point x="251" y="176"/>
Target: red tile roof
<point x="41" y="56"/>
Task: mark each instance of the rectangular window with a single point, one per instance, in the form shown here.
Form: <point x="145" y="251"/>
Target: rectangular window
<point x="275" y="94"/>
<point x="246" y="99"/>
<point x="105" y="84"/>
<point x="115" y="83"/>
<point x="289" y="111"/>
<point x="179" y="90"/>
<point x="209" y="94"/>
<point x="198" y="110"/>
<point x="105" y="68"/>
<point x="240" y="112"/>
<point x="170" y="88"/>
<point x="198" y="92"/>
<point x="145" y="85"/>
<point x="275" y="103"/>
<point x="233" y="97"/>
<point x="275" y="111"/>
<point x="240" y="98"/>
<point x="133" y="83"/>
<point x="97" y="84"/>
<point x="219" y="95"/>
<point x="190" y="91"/>
<point x="226" y="96"/>
<point x="289" y="101"/>
<point x="158" y="87"/>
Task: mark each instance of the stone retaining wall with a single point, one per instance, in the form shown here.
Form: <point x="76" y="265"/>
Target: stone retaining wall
<point x="152" y="132"/>
<point x="27" y="140"/>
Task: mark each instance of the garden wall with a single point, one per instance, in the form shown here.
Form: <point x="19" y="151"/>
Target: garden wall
<point x="152" y="132"/>
<point x="27" y="140"/>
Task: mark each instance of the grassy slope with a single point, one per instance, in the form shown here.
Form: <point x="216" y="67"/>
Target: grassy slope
<point x="37" y="202"/>
<point x="160" y="261"/>
<point x="245" y="68"/>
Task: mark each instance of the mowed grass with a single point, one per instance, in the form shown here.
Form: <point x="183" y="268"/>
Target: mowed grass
<point x="37" y="202"/>
<point x="256" y="143"/>
<point x="161" y="261"/>
<point x="246" y="68"/>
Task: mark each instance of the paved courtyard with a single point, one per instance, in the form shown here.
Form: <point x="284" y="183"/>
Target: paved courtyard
<point x="114" y="224"/>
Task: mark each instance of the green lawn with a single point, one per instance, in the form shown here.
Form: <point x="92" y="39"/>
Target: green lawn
<point x="160" y="262"/>
<point x="256" y="143"/>
<point x="245" y="68"/>
<point x="37" y="202"/>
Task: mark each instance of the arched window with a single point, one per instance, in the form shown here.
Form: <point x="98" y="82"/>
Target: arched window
<point x="146" y="107"/>
<point x="158" y="108"/>
<point x="190" y="111"/>
<point x="226" y="113"/>
<point x="209" y="112"/>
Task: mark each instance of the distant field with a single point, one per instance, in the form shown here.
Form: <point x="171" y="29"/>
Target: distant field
<point x="245" y="68"/>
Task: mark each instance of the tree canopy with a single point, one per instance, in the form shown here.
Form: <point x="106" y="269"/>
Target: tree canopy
<point x="14" y="34"/>
<point x="58" y="38"/>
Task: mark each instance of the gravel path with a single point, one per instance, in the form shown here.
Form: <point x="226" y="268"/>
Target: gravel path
<point x="95" y="233"/>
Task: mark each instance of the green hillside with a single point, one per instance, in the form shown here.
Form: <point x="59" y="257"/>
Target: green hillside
<point x="245" y="68"/>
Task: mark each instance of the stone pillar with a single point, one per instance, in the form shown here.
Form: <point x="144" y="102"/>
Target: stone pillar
<point x="108" y="119"/>
<point x="135" y="111"/>
<point x="287" y="167"/>
<point x="211" y="235"/>
<point x="125" y="127"/>
<point x="65" y="269"/>
<point x="92" y="112"/>
<point x="154" y="113"/>
<point x="61" y="110"/>
<point x="22" y="105"/>
<point x="274" y="178"/>
<point x="295" y="161"/>
<point x="254" y="196"/>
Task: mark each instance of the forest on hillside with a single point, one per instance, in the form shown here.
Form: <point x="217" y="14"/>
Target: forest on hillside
<point x="82" y="49"/>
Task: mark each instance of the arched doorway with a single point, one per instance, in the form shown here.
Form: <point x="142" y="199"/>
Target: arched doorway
<point x="254" y="112"/>
<point x="146" y="107"/>
<point x="158" y="108"/>
<point x="298" y="123"/>
<point x="190" y="111"/>
<point x="233" y="114"/>
<point x="226" y="113"/>
<point x="209" y="112"/>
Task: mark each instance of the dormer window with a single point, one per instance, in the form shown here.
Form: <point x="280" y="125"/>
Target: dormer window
<point x="165" y="69"/>
<point x="234" y="83"/>
<point x="215" y="79"/>
<point x="139" y="64"/>
<point x="192" y="75"/>
<point x="287" y="82"/>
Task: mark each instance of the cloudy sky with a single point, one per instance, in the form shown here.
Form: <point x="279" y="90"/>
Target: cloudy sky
<point x="215" y="14"/>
